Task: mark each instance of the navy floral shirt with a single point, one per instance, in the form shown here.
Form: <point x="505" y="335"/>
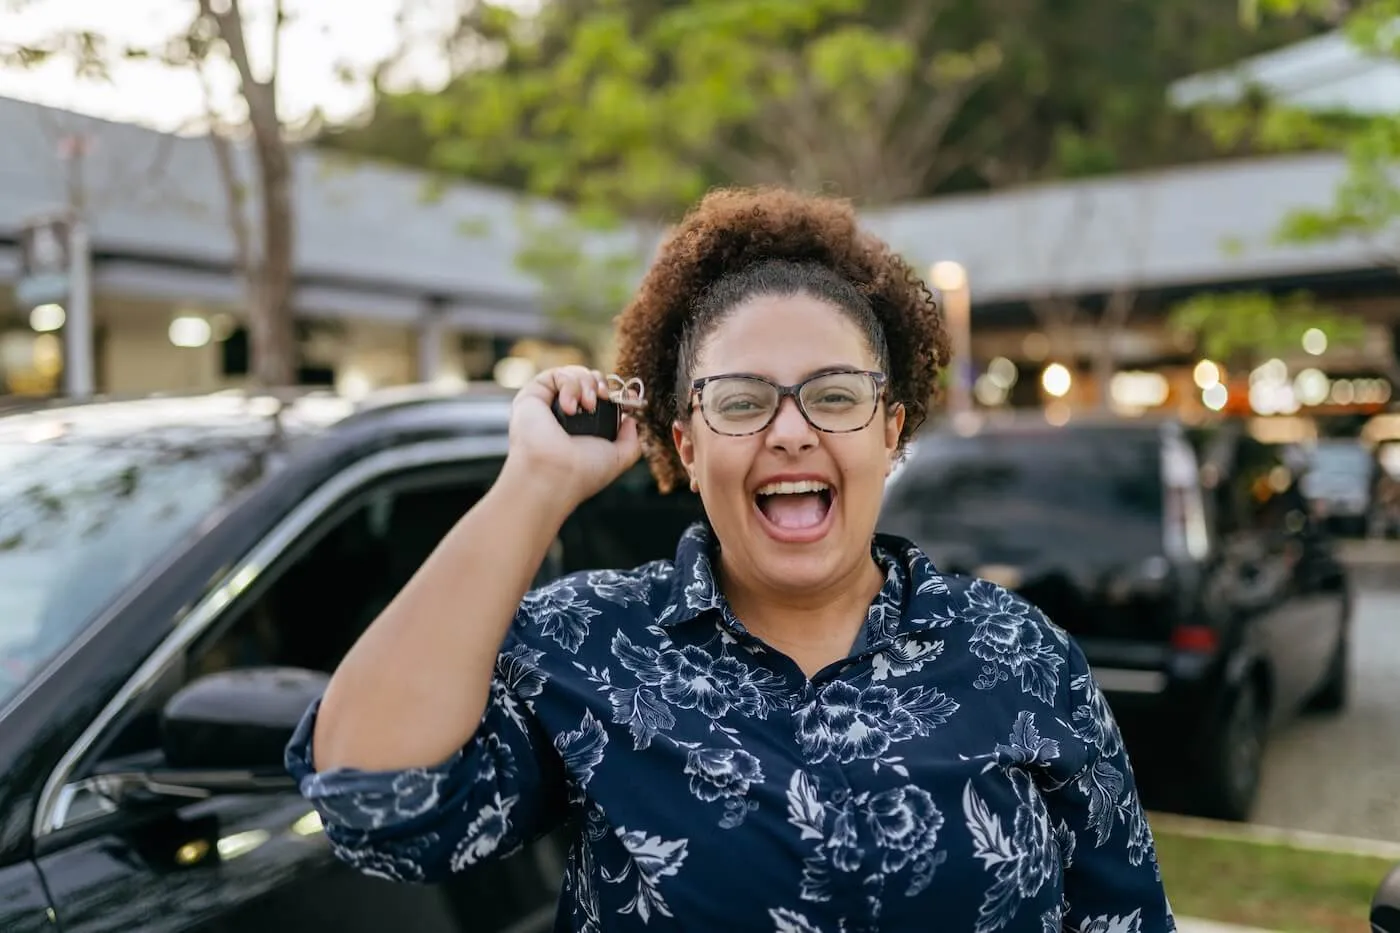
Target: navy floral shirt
<point x="960" y="771"/>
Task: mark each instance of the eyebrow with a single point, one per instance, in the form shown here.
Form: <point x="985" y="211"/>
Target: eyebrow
<point x="820" y="371"/>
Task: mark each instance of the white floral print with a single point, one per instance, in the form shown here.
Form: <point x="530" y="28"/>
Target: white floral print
<point x="652" y="858"/>
<point x="960" y="769"/>
<point x="726" y="775"/>
<point x="848" y="723"/>
<point x="1009" y="635"/>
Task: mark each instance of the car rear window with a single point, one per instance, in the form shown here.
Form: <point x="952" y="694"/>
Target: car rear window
<point x="1086" y="490"/>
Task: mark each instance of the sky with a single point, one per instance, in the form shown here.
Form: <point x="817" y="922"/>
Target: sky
<point x="315" y="44"/>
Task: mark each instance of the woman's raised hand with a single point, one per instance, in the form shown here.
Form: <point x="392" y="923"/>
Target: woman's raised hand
<point x="575" y="466"/>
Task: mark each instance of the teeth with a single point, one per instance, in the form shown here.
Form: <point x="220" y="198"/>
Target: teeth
<point x="788" y="489"/>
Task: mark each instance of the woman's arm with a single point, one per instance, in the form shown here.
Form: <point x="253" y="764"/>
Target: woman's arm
<point x="423" y="756"/>
<point x="414" y="687"/>
<point x="501" y="790"/>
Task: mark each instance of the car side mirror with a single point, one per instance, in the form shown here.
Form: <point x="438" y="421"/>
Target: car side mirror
<point x="225" y="733"/>
<point x="1385" y="906"/>
<point x="237" y="720"/>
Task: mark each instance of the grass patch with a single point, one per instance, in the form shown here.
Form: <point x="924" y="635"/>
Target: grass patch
<point x="1268" y="885"/>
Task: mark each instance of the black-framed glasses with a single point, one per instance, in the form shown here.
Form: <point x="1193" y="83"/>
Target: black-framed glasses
<point x="835" y="402"/>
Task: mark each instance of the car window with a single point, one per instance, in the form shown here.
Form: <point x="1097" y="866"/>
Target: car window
<point x="308" y="610"/>
<point x="1261" y="491"/>
<point x="80" y="522"/>
<point x="627" y="524"/>
<point x="1014" y="496"/>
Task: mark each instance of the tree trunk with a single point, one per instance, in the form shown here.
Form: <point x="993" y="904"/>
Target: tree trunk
<point x="271" y="326"/>
<point x="1115" y="318"/>
<point x="269" y="269"/>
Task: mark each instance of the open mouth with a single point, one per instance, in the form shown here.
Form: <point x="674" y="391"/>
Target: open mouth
<point x="800" y="506"/>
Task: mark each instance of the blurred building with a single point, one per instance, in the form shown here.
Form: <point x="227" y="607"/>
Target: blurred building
<point x="1045" y="264"/>
<point x="1051" y="268"/>
<point x="392" y="286"/>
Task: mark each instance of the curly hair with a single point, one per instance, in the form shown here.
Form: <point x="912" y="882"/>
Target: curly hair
<point x="739" y="243"/>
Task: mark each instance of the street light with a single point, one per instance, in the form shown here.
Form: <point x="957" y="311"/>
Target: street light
<point x="950" y="278"/>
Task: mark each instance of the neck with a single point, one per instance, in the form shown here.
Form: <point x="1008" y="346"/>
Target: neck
<point x="809" y="618"/>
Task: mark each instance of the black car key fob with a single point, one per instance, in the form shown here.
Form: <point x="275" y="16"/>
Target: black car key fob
<point x="602" y="422"/>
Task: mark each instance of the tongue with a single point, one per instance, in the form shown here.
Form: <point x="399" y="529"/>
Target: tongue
<point x="794" y="510"/>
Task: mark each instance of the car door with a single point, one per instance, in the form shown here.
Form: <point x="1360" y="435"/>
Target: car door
<point x="1263" y="559"/>
<point x="1319" y="584"/>
<point x="24" y="905"/>
<point x="627" y="524"/>
<point x="112" y="860"/>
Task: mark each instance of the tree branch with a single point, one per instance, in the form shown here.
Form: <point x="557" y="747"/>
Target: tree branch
<point x="235" y="194"/>
<point x="279" y="19"/>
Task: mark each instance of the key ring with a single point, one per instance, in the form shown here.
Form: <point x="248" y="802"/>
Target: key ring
<point x="630" y="393"/>
<point x="606" y="419"/>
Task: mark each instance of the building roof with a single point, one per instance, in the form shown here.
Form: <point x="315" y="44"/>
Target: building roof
<point x="1196" y="225"/>
<point x="1327" y="72"/>
<point x="370" y="244"/>
<point x="366" y="230"/>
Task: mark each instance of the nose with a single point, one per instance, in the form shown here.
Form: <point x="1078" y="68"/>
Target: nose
<point x="790" y="431"/>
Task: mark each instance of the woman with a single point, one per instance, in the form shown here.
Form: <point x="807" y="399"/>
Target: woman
<point x="796" y="725"/>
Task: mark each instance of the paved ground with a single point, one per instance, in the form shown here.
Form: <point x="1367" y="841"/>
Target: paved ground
<point x="1341" y="774"/>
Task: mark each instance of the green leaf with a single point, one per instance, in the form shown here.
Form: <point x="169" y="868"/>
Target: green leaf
<point x="1243" y="327"/>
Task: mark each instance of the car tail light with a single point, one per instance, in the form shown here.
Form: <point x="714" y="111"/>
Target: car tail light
<point x="1198" y="639"/>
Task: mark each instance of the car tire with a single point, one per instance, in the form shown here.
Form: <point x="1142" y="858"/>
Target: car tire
<point x="1233" y="761"/>
<point x="1331" y="696"/>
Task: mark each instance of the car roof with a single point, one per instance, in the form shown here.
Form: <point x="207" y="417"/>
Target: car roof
<point x="250" y="416"/>
<point x="1023" y="422"/>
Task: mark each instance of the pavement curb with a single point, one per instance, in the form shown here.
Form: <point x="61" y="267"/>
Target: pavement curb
<point x="1193" y="925"/>
<point x="1369" y="552"/>
<point x="1273" y="835"/>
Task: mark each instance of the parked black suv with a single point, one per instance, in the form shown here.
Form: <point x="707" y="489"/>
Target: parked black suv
<point x="163" y="563"/>
<point x="1184" y="561"/>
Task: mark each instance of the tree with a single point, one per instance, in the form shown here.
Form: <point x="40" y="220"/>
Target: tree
<point x="1078" y="87"/>
<point x="1242" y="328"/>
<point x="1245" y="325"/>
<point x="1367" y="203"/>
<point x="262" y="226"/>
<point x="1064" y="313"/>
<point x="635" y="107"/>
<point x="632" y="108"/>
<point x="587" y="268"/>
<point x="267" y="262"/>
<point x="640" y="107"/>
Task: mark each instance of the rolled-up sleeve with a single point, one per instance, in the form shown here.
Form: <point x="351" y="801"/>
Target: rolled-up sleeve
<point x="1112" y="880"/>
<point x="500" y="791"/>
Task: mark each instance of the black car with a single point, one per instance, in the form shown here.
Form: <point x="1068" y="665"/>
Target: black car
<point x="177" y="578"/>
<point x="1183" y="559"/>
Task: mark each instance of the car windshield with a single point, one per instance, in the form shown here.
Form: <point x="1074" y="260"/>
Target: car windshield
<point x="1015" y="497"/>
<point x="1350" y="459"/>
<point x="80" y="522"/>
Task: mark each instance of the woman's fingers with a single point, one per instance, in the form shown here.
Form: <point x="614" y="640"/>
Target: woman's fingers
<point x="576" y="387"/>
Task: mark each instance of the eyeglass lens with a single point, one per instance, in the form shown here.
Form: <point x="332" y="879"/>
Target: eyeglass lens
<point x="832" y="401"/>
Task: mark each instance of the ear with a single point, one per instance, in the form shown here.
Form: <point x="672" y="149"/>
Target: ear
<point x="685" y="444"/>
<point x="894" y="426"/>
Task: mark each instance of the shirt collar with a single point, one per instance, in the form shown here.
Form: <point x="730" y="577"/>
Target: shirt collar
<point x="913" y="598"/>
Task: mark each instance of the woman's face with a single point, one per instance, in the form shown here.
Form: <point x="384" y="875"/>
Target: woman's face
<point x="789" y="537"/>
